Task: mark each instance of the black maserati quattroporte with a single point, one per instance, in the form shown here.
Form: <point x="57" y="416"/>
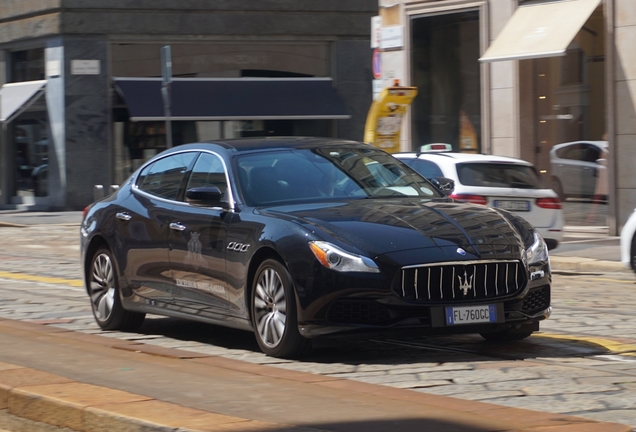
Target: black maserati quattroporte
<point x="296" y="238"/>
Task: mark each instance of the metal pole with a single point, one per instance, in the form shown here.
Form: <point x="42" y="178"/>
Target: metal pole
<point x="166" y="89"/>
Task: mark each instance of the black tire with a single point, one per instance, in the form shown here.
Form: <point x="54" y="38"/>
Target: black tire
<point x="274" y="317"/>
<point x="506" y="335"/>
<point x="103" y="291"/>
<point x="558" y="188"/>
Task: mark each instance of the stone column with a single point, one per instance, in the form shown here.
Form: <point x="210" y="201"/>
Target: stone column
<point x="87" y="119"/>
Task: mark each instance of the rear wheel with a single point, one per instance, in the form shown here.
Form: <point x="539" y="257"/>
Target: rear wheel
<point x="104" y="294"/>
<point x="274" y="312"/>
<point x="558" y="188"/>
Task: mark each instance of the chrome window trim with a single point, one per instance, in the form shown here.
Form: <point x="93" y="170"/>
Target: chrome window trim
<point x="134" y="187"/>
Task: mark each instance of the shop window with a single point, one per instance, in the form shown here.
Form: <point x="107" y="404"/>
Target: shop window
<point x="572" y="67"/>
<point x="31" y="156"/>
<point x="563" y="122"/>
<point x="446" y="70"/>
<point x="27" y="65"/>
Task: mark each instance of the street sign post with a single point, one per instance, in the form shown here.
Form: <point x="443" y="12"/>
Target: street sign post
<point x="166" y="88"/>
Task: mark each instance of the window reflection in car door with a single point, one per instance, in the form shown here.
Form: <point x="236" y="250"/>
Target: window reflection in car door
<point x="580" y="169"/>
<point x="143" y="224"/>
<point x="197" y="244"/>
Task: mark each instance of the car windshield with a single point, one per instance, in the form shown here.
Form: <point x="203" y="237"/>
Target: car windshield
<point x="327" y="173"/>
<point x="499" y="175"/>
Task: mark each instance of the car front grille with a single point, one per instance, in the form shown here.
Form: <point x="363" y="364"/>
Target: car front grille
<point x="459" y="281"/>
<point x="536" y="300"/>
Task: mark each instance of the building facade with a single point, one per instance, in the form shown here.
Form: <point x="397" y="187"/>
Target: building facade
<point x="519" y="78"/>
<point x="73" y="116"/>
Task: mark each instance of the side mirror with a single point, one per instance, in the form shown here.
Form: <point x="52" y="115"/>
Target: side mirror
<point x="444" y="184"/>
<point x="208" y="196"/>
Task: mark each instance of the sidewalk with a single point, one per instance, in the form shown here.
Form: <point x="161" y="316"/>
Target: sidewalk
<point x="95" y="383"/>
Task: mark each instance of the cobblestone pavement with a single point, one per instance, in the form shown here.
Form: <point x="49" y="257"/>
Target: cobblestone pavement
<point x="583" y="362"/>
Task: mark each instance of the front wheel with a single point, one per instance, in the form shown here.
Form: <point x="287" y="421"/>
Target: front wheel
<point x="104" y="294"/>
<point x="274" y="312"/>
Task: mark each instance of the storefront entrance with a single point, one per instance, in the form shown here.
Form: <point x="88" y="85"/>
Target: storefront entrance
<point x="562" y="101"/>
<point x="446" y="72"/>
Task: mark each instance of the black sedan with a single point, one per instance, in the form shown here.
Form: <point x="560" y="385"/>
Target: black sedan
<point x="297" y="238"/>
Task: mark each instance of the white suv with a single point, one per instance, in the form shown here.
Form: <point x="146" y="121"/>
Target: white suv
<point x="496" y="181"/>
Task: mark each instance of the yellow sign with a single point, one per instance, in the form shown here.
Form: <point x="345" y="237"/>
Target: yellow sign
<point x="384" y="120"/>
<point x="467" y="134"/>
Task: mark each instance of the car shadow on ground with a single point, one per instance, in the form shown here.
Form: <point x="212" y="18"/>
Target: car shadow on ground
<point x="383" y="350"/>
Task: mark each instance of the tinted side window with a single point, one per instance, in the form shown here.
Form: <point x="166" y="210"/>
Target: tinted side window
<point x="574" y="152"/>
<point x="426" y="169"/>
<point x="164" y="177"/>
<point x="208" y="171"/>
<point x="498" y="175"/>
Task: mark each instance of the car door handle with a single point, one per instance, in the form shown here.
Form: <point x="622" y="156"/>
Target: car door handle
<point x="123" y="216"/>
<point x="177" y="226"/>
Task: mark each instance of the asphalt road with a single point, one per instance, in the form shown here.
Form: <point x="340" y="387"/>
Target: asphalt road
<point x="583" y="362"/>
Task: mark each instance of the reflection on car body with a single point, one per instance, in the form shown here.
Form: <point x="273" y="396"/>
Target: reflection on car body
<point x="576" y="167"/>
<point x="237" y="233"/>
<point x="496" y="181"/>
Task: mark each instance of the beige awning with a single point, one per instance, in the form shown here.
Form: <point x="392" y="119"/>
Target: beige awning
<point x="16" y="97"/>
<point x="540" y="30"/>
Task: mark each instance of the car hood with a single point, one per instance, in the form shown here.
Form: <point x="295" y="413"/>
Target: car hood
<point x="377" y="227"/>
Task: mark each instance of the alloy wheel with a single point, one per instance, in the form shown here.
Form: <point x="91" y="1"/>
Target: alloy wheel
<point x="102" y="287"/>
<point x="270" y="308"/>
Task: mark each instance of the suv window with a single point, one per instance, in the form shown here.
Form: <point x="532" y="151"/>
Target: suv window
<point x="499" y="175"/>
<point x="163" y="178"/>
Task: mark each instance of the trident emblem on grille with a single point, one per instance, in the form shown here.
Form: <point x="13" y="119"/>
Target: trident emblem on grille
<point x="466" y="284"/>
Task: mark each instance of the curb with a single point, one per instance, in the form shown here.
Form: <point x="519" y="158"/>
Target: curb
<point x="587" y="265"/>
<point x="55" y="400"/>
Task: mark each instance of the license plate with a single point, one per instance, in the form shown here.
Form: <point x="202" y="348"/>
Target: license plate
<point x="513" y="205"/>
<point x="471" y="314"/>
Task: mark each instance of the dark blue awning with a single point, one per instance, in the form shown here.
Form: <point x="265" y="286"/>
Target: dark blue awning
<point x="233" y="99"/>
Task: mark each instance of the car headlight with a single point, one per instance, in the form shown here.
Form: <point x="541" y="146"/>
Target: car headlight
<point x="335" y="258"/>
<point x="538" y="251"/>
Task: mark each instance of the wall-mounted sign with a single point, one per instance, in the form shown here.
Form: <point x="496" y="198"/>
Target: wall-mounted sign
<point x="376" y="28"/>
<point x="378" y="86"/>
<point x="377" y="64"/>
<point x="53" y="68"/>
<point x="392" y="37"/>
<point x="85" y="67"/>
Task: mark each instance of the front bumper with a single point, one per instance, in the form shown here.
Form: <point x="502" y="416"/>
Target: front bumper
<point x="368" y="315"/>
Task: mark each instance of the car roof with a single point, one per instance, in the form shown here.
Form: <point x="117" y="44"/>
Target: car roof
<point x="603" y="144"/>
<point x="272" y="143"/>
<point x="463" y="157"/>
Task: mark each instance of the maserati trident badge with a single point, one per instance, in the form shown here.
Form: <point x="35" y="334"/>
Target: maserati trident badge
<point x="466" y="284"/>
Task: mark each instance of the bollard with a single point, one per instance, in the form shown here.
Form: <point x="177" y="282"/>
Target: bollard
<point x="98" y="192"/>
<point x="113" y="188"/>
